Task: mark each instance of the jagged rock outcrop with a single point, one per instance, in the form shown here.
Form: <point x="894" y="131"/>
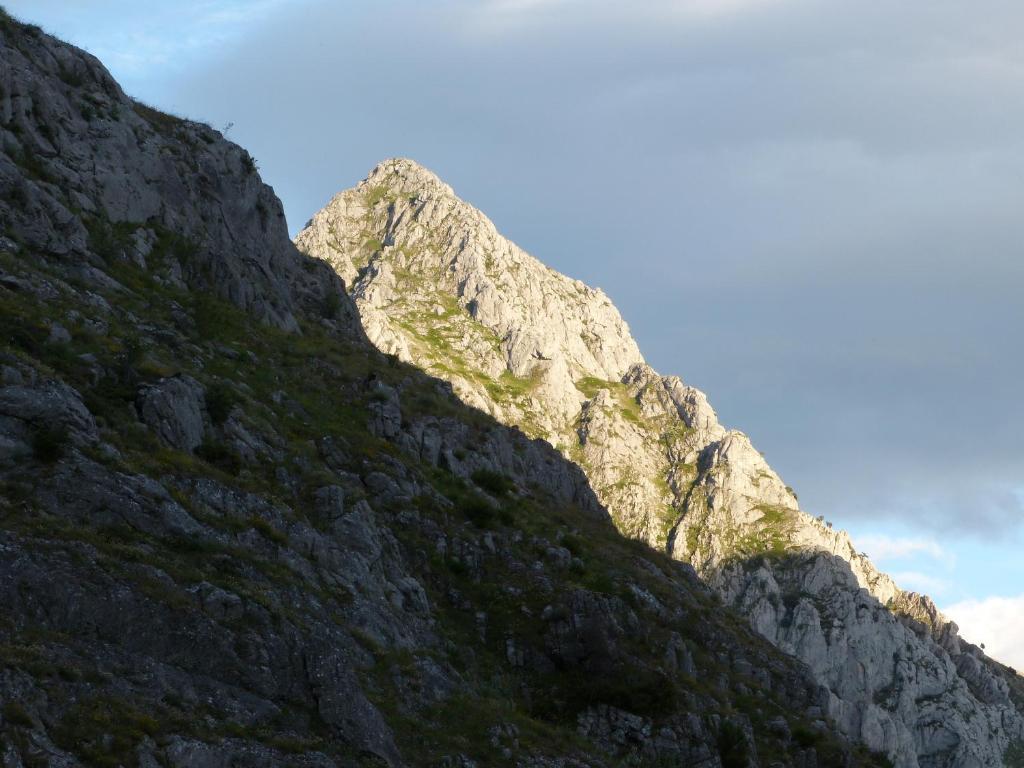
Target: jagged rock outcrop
<point x="174" y="409"/>
<point x="437" y="286"/>
<point x="233" y="533"/>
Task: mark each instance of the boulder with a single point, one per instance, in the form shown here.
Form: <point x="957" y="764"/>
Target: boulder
<point x="175" y="409"/>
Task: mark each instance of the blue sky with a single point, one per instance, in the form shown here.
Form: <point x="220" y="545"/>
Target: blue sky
<point x="808" y="209"/>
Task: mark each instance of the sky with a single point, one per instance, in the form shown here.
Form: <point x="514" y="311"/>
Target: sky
<point x="810" y="210"/>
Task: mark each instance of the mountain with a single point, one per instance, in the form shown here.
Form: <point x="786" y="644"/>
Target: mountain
<point x="234" y="533"/>
<point x="437" y="286"/>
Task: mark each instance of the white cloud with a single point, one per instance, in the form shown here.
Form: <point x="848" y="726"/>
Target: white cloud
<point x="998" y="622"/>
<point x="881" y="547"/>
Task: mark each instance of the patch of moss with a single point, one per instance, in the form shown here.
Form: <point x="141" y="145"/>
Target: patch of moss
<point x="161" y="122"/>
<point x="770" y="534"/>
<point x="628" y="407"/>
<point x="376" y="194"/>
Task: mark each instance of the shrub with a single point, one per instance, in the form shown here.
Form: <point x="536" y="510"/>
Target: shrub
<point x="573" y="544"/>
<point x="1014" y="757"/>
<point x="22" y="332"/>
<point x="218" y="320"/>
<point x="457" y="567"/>
<point x="493" y="482"/>
<point x="158" y="121"/>
<point x="109" y="240"/>
<point x="478" y="511"/>
<point x="15" y="714"/>
<point x="220" y="400"/>
<point x="175" y="245"/>
<point x="332" y="305"/>
<point x="805" y="737"/>
<point x="732" y="746"/>
<point x="219" y="455"/>
<point x="70" y="76"/>
<point x="49" y="443"/>
<point x="636" y="689"/>
<point x="263" y="212"/>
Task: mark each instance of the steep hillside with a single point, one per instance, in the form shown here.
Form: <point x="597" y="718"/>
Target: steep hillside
<point x="437" y="286"/>
<point x="234" y="533"/>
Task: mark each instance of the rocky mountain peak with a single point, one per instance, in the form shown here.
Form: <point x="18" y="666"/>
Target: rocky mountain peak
<point x="437" y="285"/>
<point x="404" y="175"/>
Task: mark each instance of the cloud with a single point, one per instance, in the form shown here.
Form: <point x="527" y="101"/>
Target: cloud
<point x="998" y="622"/>
<point x="881" y="547"/>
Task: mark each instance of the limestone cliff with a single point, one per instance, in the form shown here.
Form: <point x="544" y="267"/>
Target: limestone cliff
<point x="437" y="286"/>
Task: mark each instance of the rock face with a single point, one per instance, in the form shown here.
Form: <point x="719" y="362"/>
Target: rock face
<point x="174" y="409"/>
<point x="87" y="171"/>
<point x="234" y="533"/>
<point x="480" y="302"/>
<point x="437" y="286"/>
